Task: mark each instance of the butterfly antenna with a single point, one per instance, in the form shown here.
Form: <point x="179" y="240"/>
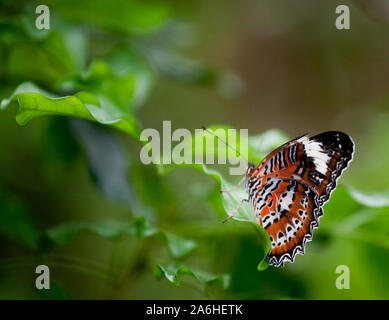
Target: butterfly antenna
<point x="210" y="132"/>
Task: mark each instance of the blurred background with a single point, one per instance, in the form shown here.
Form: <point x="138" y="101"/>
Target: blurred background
<point x="74" y="195"/>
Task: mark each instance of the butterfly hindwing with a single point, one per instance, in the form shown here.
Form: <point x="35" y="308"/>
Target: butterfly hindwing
<point x="289" y="211"/>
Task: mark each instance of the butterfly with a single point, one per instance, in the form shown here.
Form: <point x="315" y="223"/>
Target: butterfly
<point x="290" y="186"/>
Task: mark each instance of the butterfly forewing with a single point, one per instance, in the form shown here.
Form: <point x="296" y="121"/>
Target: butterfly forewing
<point x="291" y="185"/>
<point x="335" y="151"/>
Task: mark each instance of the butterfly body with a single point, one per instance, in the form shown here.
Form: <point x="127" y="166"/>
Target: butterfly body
<point x="290" y="186"/>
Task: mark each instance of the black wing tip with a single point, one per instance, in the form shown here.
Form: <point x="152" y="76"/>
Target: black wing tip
<point x="336" y="140"/>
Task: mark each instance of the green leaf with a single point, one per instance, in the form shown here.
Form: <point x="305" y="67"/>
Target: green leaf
<point x="172" y="272"/>
<point x="114" y="230"/>
<point x="231" y="200"/>
<point x="371" y="199"/>
<point x="358" y="216"/>
<point x="34" y="102"/>
<point x="126" y="62"/>
<point x="177" y="246"/>
<point x="204" y="145"/>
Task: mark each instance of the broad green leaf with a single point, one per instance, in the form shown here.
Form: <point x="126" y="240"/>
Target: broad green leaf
<point x="34" y="102"/>
<point x="172" y="272"/>
<point x="113" y="230"/>
<point x="23" y="88"/>
<point x="231" y="200"/>
<point x="228" y="142"/>
<point x="204" y="146"/>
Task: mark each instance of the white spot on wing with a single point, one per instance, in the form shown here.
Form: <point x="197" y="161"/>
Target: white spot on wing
<point x="286" y="200"/>
<point x="320" y="158"/>
<point x="290" y="233"/>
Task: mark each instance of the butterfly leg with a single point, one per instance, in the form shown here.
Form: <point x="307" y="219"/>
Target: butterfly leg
<point x="236" y="187"/>
<point x="236" y="210"/>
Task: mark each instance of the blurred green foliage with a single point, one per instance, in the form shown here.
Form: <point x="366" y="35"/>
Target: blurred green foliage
<point x="74" y="195"/>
